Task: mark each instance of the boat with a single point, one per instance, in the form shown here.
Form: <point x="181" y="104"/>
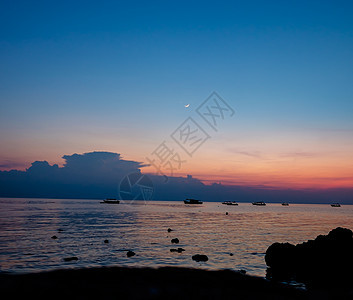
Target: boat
<point x="285" y="204"/>
<point x="229" y="203"/>
<point x="259" y="203"/>
<point x="336" y="205"/>
<point x="111" y="201"/>
<point x="192" y="201"/>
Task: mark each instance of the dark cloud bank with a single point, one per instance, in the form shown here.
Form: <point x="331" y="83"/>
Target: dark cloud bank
<point x="96" y="175"/>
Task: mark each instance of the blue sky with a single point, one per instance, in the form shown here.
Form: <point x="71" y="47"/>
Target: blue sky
<point x="115" y="76"/>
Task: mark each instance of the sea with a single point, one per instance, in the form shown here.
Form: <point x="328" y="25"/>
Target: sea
<point x="100" y="234"/>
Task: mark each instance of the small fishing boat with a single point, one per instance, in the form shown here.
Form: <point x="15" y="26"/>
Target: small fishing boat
<point x="259" y="203"/>
<point x="192" y="201"/>
<point x="111" y="201"/>
<point x="229" y="203"/>
<point x="336" y="205"/>
<point x="285" y="204"/>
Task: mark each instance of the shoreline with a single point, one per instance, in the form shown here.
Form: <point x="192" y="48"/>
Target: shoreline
<point x="148" y="283"/>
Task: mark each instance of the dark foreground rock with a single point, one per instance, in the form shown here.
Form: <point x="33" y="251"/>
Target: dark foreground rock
<point x="326" y="262"/>
<point x="145" y="283"/>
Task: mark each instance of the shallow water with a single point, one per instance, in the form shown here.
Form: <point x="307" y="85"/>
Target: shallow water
<point x="27" y="225"/>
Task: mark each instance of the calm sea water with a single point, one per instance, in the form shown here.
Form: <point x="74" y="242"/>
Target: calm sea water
<point x="27" y="225"/>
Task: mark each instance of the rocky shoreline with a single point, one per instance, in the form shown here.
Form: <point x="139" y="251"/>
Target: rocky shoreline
<point x="143" y="283"/>
<point x="149" y="283"/>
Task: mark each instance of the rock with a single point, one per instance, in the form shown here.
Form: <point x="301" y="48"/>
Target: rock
<point x="130" y="253"/>
<point x="179" y="250"/>
<point x="278" y="254"/>
<point x="54" y="237"/>
<point x="231" y="254"/>
<point x="321" y="262"/>
<point x="106" y="241"/>
<point x="242" y="271"/>
<point x="169" y="230"/>
<point x="340" y="234"/>
<point x="72" y="258"/>
<point x="200" y="257"/>
<point x="175" y="241"/>
<point x="226" y="213"/>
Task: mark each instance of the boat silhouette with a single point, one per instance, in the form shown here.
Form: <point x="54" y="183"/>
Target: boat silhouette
<point x="192" y="201"/>
<point x="229" y="203"/>
<point x="111" y="201"/>
<point x="259" y="203"/>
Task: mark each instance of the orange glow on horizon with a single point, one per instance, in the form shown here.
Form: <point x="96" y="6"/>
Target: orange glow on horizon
<point x="317" y="172"/>
<point x="273" y="163"/>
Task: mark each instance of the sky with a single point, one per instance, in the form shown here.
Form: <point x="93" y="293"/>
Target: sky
<point x="116" y="76"/>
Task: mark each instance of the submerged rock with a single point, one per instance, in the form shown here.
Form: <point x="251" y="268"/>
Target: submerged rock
<point x="320" y="262"/>
<point x="54" y="237"/>
<point x="169" y="230"/>
<point x="200" y="257"/>
<point x="130" y="253"/>
<point x="175" y="241"/>
<point x="106" y="241"/>
<point x="71" y="258"/>
<point x="179" y="250"/>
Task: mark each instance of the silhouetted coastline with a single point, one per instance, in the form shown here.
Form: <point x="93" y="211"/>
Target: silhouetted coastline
<point x="151" y="283"/>
<point x="144" y="283"/>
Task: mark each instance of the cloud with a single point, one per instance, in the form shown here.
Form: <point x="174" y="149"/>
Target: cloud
<point x="88" y="175"/>
<point x="99" y="161"/>
<point x="261" y="155"/>
<point x="254" y="154"/>
<point x="9" y="164"/>
<point x="97" y="175"/>
<point x="299" y="154"/>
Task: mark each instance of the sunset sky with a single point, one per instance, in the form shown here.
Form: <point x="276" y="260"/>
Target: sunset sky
<point x="78" y="77"/>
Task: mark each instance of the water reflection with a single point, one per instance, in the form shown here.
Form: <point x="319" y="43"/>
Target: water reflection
<point x="81" y="226"/>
